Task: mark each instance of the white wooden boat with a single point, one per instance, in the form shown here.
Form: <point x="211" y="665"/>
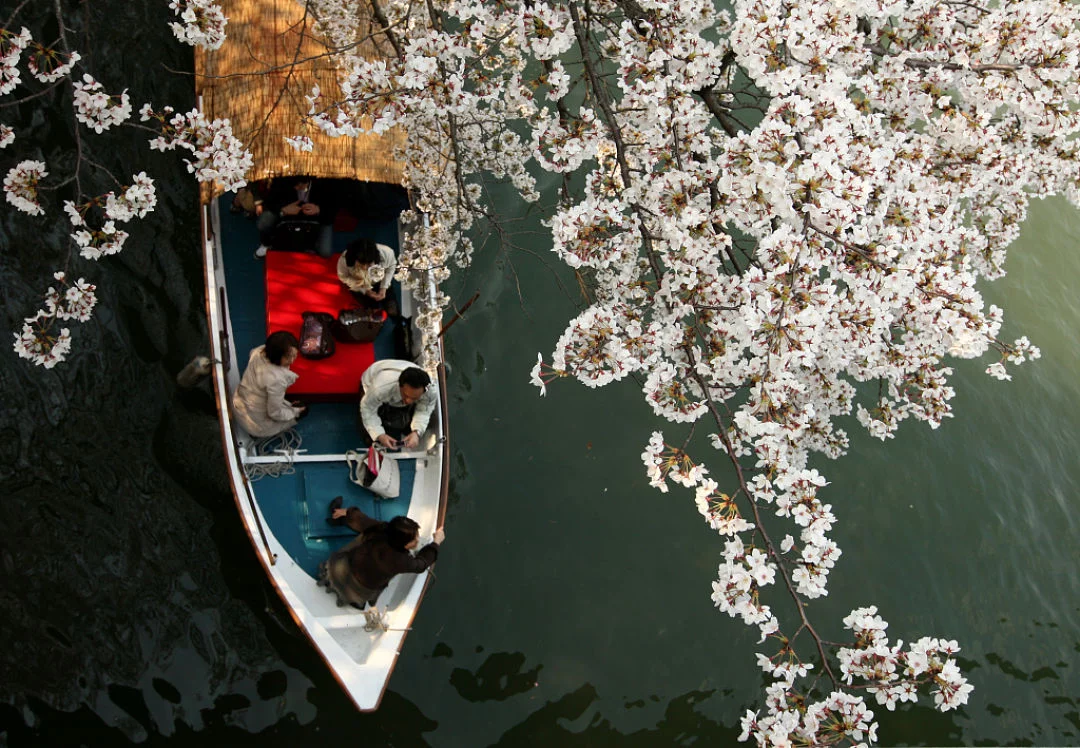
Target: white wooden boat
<point x="284" y="511"/>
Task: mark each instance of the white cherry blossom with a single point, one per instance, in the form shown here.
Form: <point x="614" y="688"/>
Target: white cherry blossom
<point x="11" y="48"/>
<point x="96" y="109"/>
<point x="203" y="23"/>
<point x="21" y="186"/>
<point x="49" y="66"/>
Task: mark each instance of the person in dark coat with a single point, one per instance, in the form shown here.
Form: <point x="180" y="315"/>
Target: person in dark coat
<point x="361" y="570"/>
<point x="290" y="199"/>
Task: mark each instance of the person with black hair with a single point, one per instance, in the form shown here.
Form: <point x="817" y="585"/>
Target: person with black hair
<point x="397" y="399"/>
<point x="361" y="570"/>
<point x="367" y="270"/>
<point x="290" y="200"/>
<point x="259" y="402"/>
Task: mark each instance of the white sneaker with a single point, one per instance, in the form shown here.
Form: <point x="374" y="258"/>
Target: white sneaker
<point x="261" y="251"/>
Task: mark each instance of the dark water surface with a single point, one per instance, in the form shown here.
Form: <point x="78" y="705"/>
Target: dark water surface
<point x="571" y="605"/>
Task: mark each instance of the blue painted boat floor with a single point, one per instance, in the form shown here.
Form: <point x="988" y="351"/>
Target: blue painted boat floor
<point x="294" y="505"/>
<point x="295" y="508"/>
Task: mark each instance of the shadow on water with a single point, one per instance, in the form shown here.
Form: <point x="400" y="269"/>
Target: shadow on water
<point x="400" y="724"/>
<point x="917" y="725"/>
<point x="680" y="725"/>
<point x="498" y="678"/>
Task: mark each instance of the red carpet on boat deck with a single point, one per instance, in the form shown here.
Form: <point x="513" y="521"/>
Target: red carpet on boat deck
<point x="298" y="283"/>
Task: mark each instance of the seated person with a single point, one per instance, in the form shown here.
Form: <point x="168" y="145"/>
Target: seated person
<point x="293" y="198"/>
<point x="259" y="402"/>
<point x="397" y="399"/>
<point x="363" y="568"/>
<point x="367" y="269"/>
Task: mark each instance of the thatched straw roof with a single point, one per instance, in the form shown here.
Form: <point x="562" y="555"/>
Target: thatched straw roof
<point x="258" y="80"/>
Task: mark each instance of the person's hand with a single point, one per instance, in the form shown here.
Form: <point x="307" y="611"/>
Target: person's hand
<point x="258" y="209"/>
<point x="339" y="513"/>
<point x="309" y="209"/>
<point x="386" y="440"/>
<point x="411" y="440"/>
<point x="376" y="294"/>
<point x="439" y="536"/>
<point x="291" y="209"/>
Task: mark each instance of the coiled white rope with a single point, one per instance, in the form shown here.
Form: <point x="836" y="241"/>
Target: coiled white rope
<point x="285" y="444"/>
<point x="376" y="619"/>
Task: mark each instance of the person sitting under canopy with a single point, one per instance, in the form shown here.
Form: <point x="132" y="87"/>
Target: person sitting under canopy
<point x="367" y="270"/>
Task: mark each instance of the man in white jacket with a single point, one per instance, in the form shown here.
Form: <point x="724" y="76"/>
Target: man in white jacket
<point x="397" y="400"/>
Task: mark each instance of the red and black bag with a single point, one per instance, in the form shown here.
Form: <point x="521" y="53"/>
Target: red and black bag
<point x="316" y="340"/>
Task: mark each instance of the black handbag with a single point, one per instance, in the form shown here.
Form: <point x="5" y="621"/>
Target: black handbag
<point x="296" y="236"/>
<point x="359" y="325"/>
<point x="316" y="340"/>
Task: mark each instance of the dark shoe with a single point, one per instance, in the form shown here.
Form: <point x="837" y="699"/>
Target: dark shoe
<point x="335" y="504"/>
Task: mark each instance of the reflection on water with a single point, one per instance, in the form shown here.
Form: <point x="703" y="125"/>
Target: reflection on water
<point x="681" y="724"/>
<point x="498" y="678"/>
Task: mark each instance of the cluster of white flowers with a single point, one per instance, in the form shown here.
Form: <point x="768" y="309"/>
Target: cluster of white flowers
<point x="453" y="106"/>
<point x="203" y="23"/>
<point x="21" y="186"/>
<point x="11" y="49"/>
<point x="77" y="301"/>
<point x="218" y="155"/>
<point x="135" y="202"/>
<point x="40" y="345"/>
<point x="37" y="341"/>
<point x="48" y="65"/>
<point x="96" y="234"/>
<point x="895" y="675"/>
<point x="97" y="243"/>
<point x="840" y="718"/>
<point x="749" y="275"/>
<point x="656" y="462"/>
<point x="301" y="143"/>
<point x="96" y="109"/>
<point x="737" y="589"/>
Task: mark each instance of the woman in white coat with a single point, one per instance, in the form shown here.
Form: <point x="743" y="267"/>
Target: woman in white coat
<point x="259" y="402"/>
<point x="367" y="269"/>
